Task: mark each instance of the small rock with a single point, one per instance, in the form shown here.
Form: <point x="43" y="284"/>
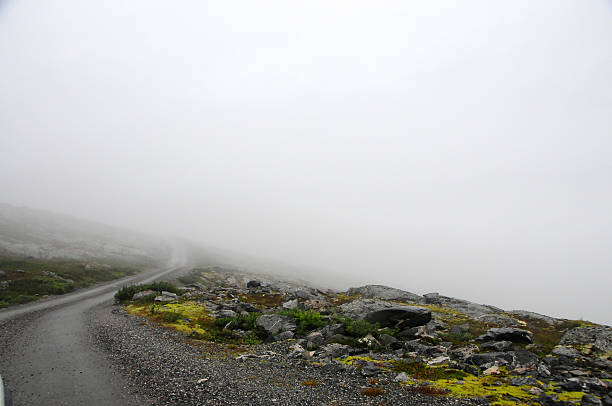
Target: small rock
<point x="370" y="370"/>
<point x="442" y="359"/>
<point x="314" y="340"/>
<point x="494" y="370"/>
<point x="499" y="346"/>
<point x="536" y="391"/>
<point x="227" y="313"/>
<point x="291" y="304"/>
<point x="253" y="284"/>
<point x="402" y="377"/>
<point x="142" y="294"/>
<point x="166" y="297"/>
<point x="527" y="380"/>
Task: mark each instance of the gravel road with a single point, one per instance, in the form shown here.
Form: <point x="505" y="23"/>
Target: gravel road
<point x="46" y="356"/>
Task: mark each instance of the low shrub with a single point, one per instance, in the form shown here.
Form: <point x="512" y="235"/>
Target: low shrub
<point x="305" y="320"/>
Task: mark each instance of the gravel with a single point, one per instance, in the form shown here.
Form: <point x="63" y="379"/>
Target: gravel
<point x="166" y="368"/>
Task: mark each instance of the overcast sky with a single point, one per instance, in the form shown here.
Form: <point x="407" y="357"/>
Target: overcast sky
<point x="459" y="147"/>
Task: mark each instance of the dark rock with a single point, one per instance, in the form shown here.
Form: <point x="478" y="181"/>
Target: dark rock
<point x="515" y="335"/>
<point x="334" y="350"/>
<point x="332" y="329"/>
<point x="314" y="340"/>
<point x="606" y="400"/>
<point x="523" y="380"/>
<point x="590" y="400"/>
<point x="480" y="360"/>
<point x="303" y="294"/>
<point x="386" y="339"/>
<point x="400" y="317"/>
<point x="524" y="359"/>
<point x="459" y="329"/>
<point x="498" y="346"/>
<point x="370" y="370"/>
<point x="462" y="353"/>
<point x="572" y="386"/>
<point x="253" y="284"/>
<point x="285" y="335"/>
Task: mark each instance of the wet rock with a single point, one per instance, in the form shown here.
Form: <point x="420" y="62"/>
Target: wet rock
<point x="514" y="335"/>
<point x="143" y="293"/>
<point x="385" y="293"/>
<point x="399" y="317"/>
<point x="275" y="323"/>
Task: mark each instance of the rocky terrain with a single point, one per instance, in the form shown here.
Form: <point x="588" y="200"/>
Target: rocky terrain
<point x="229" y="337"/>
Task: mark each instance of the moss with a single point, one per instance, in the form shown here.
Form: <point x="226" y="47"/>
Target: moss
<point x="310" y="382"/>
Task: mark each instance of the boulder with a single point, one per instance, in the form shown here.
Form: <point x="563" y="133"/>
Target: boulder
<point x="492" y="358"/>
<point x="563" y="351"/>
<point x="385" y="293"/>
<point x="386" y="339"/>
<point x="523" y="380"/>
<point x="291" y="304"/>
<point x="253" y="284"/>
<point x="314" y="340"/>
<point x="332" y="329"/>
<point x="399" y="317"/>
<point x="357" y="309"/>
<point x="275" y="323"/>
<point x="334" y="350"/>
<point x="284" y="335"/>
<point x="536" y="316"/>
<point x="143" y="293"/>
<point x="499" y="346"/>
<point x="599" y="337"/>
<point x="590" y="400"/>
<point x="515" y="335"/>
<point x="226" y="313"/>
<point x="464" y="352"/>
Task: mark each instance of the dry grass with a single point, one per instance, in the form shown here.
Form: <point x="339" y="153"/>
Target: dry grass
<point x="428" y="390"/>
<point x="310" y="382"/>
<point x="373" y="391"/>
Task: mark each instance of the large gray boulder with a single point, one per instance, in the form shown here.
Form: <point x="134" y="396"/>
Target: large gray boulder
<point x="357" y="309"/>
<point x="385" y="293"/>
<point x="515" y="335"/>
<point x="399" y="317"/>
<point x="275" y="323"/>
<point x="598" y="336"/>
<point x="143" y="294"/>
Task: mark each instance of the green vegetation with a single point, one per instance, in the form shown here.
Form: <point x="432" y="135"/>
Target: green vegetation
<point x="305" y="320"/>
<point x="126" y="292"/>
<point x="29" y="279"/>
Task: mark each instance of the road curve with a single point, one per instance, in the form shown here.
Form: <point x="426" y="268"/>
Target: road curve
<point x="46" y="356"/>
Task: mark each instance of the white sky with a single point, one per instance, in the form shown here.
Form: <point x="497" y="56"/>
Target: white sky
<point x="460" y="147"/>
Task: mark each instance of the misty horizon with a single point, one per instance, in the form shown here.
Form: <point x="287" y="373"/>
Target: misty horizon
<point x="428" y="147"/>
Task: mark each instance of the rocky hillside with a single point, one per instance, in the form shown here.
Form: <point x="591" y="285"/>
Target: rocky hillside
<point x="384" y="343"/>
<point x="41" y="234"/>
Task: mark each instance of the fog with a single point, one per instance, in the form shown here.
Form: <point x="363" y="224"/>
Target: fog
<point x="458" y="147"/>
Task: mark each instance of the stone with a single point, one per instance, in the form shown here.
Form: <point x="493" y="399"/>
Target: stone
<point x="4" y="285"/>
<point x="370" y="370"/>
<point x="2" y="274"/>
<point x="334" y="350"/>
<point x="498" y="346"/>
<point x="386" y="339"/>
<point x="402" y="377"/>
<point x="536" y="316"/>
<point x="565" y="352"/>
<point x="384" y="293"/>
<point x="572" y="386"/>
<point x="226" y="313"/>
<point x="291" y="304"/>
<point x="536" y="391"/>
<point x="399" y="317"/>
<point x="142" y="294"/>
<point x="523" y="380"/>
<point x="314" y="340"/>
<point x="494" y="370"/>
<point x="606" y="400"/>
<point x="275" y="323"/>
<point x="499" y="358"/>
<point x="462" y="353"/>
<point x="442" y="359"/>
<point x="459" y="329"/>
<point x="590" y="400"/>
<point x="253" y="284"/>
<point x="598" y="336"/>
<point x="369" y="340"/>
<point x="499" y="319"/>
<point x="515" y="335"/>
<point x="166" y="297"/>
<point x="296" y="351"/>
<point x="303" y="294"/>
<point x="332" y="329"/>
